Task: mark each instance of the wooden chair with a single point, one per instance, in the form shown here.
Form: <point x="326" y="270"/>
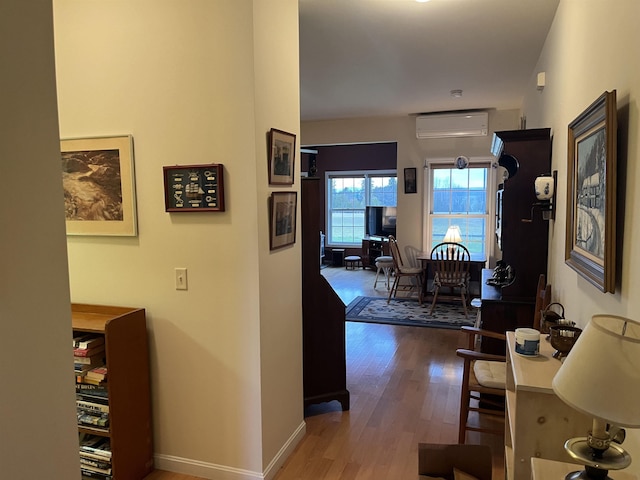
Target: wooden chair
<point x="401" y="270"/>
<point x="543" y="299"/>
<point x="450" y="262"/>
<point x="483" y="374"/>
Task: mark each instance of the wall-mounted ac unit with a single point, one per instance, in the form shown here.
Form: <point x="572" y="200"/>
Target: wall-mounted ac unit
<point x="455" y="124"/>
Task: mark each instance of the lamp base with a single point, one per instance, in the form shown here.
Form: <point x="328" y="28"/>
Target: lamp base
<point x="589" y="473"/>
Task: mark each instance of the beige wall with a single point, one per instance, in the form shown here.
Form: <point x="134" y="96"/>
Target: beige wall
<point x="196" y="82"/>
<point x="592" y="47"/>
<point x="37" y="407"/>
<point x="412" y="152"/>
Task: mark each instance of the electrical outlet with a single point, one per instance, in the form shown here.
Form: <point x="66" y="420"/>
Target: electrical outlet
<point x="181" y="279"/>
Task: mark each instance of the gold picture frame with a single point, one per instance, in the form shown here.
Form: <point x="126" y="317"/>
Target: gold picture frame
<point x="590" y="247"/>
<point x="99" y="186"/>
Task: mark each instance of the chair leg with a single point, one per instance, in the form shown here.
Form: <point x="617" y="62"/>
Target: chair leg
<point x="465" y="398"/>
<point x="375" y="282"/>
<point x="435" y="297"/>
<point x="394" y="287"/>
<point x="464" y="304"/>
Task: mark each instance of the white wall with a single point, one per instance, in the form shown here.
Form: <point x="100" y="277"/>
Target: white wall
<point x="412" y="152"/>
<point x="196" y="82"/>
<point x="38" y="433"/>
<point x="593" y="46"/>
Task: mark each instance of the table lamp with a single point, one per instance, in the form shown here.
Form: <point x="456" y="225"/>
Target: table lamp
<point x="601" y="378"/>
<point x="453" y="234"/>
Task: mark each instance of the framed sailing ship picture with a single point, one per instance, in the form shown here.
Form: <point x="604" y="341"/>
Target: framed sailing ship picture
<point x="194" y="188"/>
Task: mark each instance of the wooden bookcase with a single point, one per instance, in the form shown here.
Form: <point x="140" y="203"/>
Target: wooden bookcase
<point x="127" y="360"/>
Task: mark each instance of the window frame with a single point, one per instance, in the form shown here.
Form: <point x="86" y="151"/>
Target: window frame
<point x="365" y="174"/>
<point x="492" y="188"/>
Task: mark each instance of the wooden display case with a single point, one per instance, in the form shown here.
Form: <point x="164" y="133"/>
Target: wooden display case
<point x="127" y="361"/>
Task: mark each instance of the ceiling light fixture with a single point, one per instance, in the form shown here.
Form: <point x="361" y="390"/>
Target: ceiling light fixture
<point x="456" y="93"/>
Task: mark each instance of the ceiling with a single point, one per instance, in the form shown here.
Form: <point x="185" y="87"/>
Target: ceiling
<point x="399" y="57"/>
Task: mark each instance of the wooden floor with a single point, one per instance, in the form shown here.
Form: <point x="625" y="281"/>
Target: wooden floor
<point x="405" y="386"/>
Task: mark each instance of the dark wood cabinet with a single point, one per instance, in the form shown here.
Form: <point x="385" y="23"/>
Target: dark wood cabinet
<point x="522" y="234"/>
<point x="323" y="313"/>
<point x="373" y="248"/>
<point x="525" y="235"/>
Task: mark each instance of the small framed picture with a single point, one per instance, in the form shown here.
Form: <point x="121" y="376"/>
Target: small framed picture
<point x="99" y="186"/>
<point x="410" y="180"/>
<point x="283" y="219"/>
<point x="194" y="188"/>
<point x="282" y="152"/>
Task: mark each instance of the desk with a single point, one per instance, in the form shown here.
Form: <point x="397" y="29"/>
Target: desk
<point x="477" y="264"/>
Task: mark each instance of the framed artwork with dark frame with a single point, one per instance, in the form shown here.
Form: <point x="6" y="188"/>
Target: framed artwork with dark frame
<point x="99" y="186"/>
<point x="590" y="247"/>
<point x="410" y="180"/>
<point x="282" y="153"/>
<point x="282" y="222"/>
<point x="194" y="188"/>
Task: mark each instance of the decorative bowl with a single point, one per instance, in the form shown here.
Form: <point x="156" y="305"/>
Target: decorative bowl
<point x="562" y="338"/>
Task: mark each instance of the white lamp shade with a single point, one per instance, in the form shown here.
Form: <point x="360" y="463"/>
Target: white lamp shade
<point x="601" y="375"/>
<point x="453" y="234"/>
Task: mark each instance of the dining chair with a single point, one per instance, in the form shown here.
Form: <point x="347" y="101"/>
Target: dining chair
<point x="483" y="374"/>
<point x="450" y="262"/>
<point x="402" y="270"/>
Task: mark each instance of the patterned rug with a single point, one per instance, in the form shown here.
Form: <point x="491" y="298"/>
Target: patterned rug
<point x="401" y="311"/>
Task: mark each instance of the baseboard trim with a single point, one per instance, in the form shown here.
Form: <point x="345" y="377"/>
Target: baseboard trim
<point x="201" y="469"/>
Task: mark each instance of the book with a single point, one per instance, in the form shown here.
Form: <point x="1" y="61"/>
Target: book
<point x="93" y="420"/>
<point x="102" y="400"/>
<point x="93" y="360"/>
<point x="94" y="444"/>
<point x="87" y="340"/>
<point x="91" y="468"/>
<point x="97" y="475"/>
<point x="98" y="457"/>
<point x="98" y="465"/>
<point x="98" y="408"/>
<point x="88" y="352"/>
<point x="98" y="373"/>
<point x="91" y="381"/>
<point x="85" y="389"/>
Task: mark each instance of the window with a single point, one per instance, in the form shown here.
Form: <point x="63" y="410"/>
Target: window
<point x="460" y="197"/>
<point x="348" y="193"/>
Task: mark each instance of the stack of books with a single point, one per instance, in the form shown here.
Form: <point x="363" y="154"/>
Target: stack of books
<point x="88" y="353"/>
<point x="95" y="457"/>
<point x="92" y="404"/>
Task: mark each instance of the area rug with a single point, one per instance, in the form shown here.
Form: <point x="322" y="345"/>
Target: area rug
<point x="401" y="311"/>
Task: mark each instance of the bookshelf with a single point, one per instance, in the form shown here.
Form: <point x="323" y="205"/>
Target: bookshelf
<point x="127" y="359"/>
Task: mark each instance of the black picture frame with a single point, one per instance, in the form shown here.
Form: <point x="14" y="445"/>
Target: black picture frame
<point x="283" y="210"/>
<point x="282" y="154"/>
<point x="411" y="180"/>
<point x="590" y="247"/>
<point x="194" y="188"/>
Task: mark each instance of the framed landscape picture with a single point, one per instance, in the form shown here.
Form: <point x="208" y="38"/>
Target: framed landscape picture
<point x="99" y="186"/>
<point x="282" y="150"/>
<point x="590" y="247"/>
<point x="282" y="219"/>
